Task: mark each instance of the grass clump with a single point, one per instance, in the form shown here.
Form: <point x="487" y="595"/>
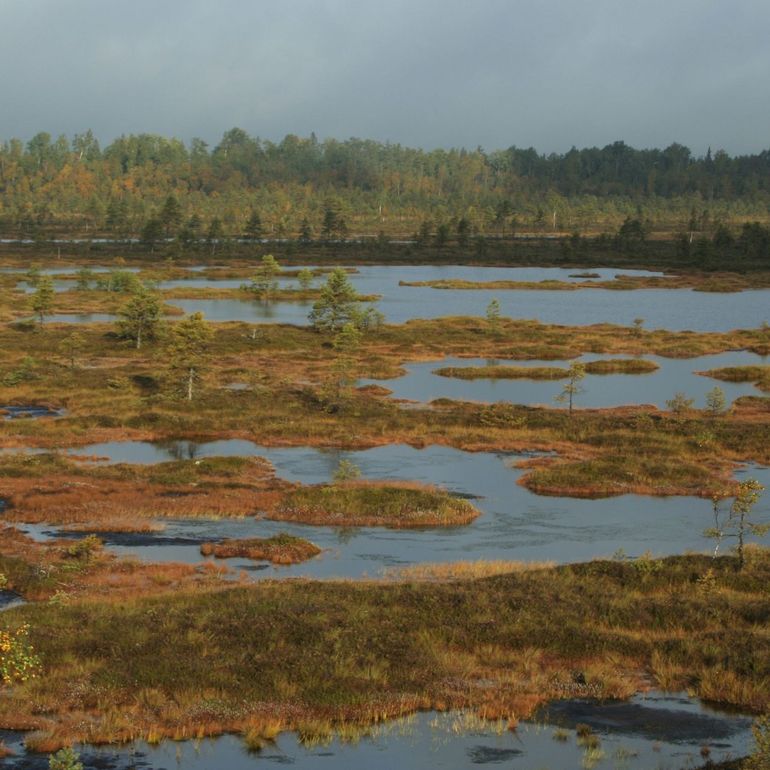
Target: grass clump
<point x="502" y="372"/>
<point x="279" y="549"/>
<point x="620" y="474"/>
<point x="367" y="504"/>
<point x="759" y="375"/>
<point x="317" y="655"/>
<point x="621" y="366"/>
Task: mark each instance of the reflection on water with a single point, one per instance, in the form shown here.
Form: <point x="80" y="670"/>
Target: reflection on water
<point x="16" y="412"/>
<point x="674" y="309"/>
<point x="515" y="524"/>
<point x="9" y="599"/>
<point x="653" y="731"/>
<point x="599" y="390"/>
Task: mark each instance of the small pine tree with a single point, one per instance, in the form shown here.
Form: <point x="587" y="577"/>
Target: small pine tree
<point x="140" y="317"/>
<point x="42" y="299"/>
<point x="265" y="283"/>
<point x="65" y="759"/>
<point x="493" y="314"/>
<point x="71" y="346"/>
<point x="188" y="351"/>
<point x="715" y="401"/>
<point x="738" y="522"/>
<point x="85" y="276"/>
<point x="680" y="404"/>
<point x="337" y="304"/>
<point x="346" y="471"/>
<point x="305" y="278"/>
<point x="346" y="343"/>
<point x="575" y="375"/>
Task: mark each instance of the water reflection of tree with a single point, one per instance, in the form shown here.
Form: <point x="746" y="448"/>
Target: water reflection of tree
<point x="180" y="450"/>
<point x="330" y="460"/>
<point x="346" y="534"/>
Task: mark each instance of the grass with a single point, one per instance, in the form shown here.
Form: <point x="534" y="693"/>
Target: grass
<point x="462" y="570"/>
<point x="139" y="650"/>
<point x="759" y="375"/>
<point x="621" y="366"/>
<point x="708" y="282"/>
<point x="315" y="656"/>
<point x="53" y="489"/>
<point x="608" y="476"/>
<point x="279" y="549"/>
<point x="502" y="372"/>
<point x="368" y="504"/>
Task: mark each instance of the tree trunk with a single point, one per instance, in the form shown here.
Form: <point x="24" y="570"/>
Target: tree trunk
<point x="190" y="378"/>
<point x="138" y="339"/>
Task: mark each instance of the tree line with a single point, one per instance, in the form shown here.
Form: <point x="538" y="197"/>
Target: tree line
<point x="297" y="184"/>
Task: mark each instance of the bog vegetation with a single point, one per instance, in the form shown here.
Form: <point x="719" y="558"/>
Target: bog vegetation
<point x="114" y="649"/>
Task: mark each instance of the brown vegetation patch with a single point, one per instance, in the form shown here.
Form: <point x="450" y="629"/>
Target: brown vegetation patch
<point x="256" y="659"/>
<point x="502" y="372"/>
<point x="621" y="366"/>
<point x="53" y="490"/>
<point x="759" y="375"/>
<point x="370" y="504"/>
<point x="279" y="549"/>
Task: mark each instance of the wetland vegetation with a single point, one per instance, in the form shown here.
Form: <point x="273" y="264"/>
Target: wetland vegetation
<point x="158" y="417"/>
<point x="279" y="549"/>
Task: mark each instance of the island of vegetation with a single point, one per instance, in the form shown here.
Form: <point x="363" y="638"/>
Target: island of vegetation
<point x="278" y="549"/>
<point x="371" y="504"/>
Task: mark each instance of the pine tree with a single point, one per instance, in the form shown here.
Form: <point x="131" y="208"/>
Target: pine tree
<point x="575" y="375"/>
<point x="254" y="229"/>
<point x="42" y="299"/>
<point x="188" y="351"/>
<point x="264" y="283"/>
<point x="337" y="305"/>
<point x="140" y="317"/>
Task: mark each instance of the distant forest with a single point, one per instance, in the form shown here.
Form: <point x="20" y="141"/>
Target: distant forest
<point x="155" y="187"/>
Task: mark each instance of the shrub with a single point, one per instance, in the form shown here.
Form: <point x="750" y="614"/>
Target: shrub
<point x="65" y="759"/>
<point x="18" y="661"/>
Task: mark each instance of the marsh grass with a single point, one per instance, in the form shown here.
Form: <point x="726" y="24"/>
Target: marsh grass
<point x="759" y="375"/>
<point x="464" y="570"/>
<point x="708" y="282"/>
<point x="502" y="372"/>
<point x="621" y="366"/>
<point x="279" y="549"/>
<point x="315" y="656"/>
<point x="368" y="503"/>
<point x="118" y="393"/>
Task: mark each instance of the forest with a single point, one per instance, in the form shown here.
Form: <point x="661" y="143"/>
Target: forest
<point x="247" y="187"/>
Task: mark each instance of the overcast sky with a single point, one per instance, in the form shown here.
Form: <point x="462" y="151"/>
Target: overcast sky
<point x="428" y="73"/>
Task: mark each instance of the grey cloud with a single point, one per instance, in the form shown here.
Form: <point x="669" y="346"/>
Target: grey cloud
<point x="427" y="72"/>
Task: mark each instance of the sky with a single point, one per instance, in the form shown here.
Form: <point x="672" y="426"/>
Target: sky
<point x="423" y="73"/>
